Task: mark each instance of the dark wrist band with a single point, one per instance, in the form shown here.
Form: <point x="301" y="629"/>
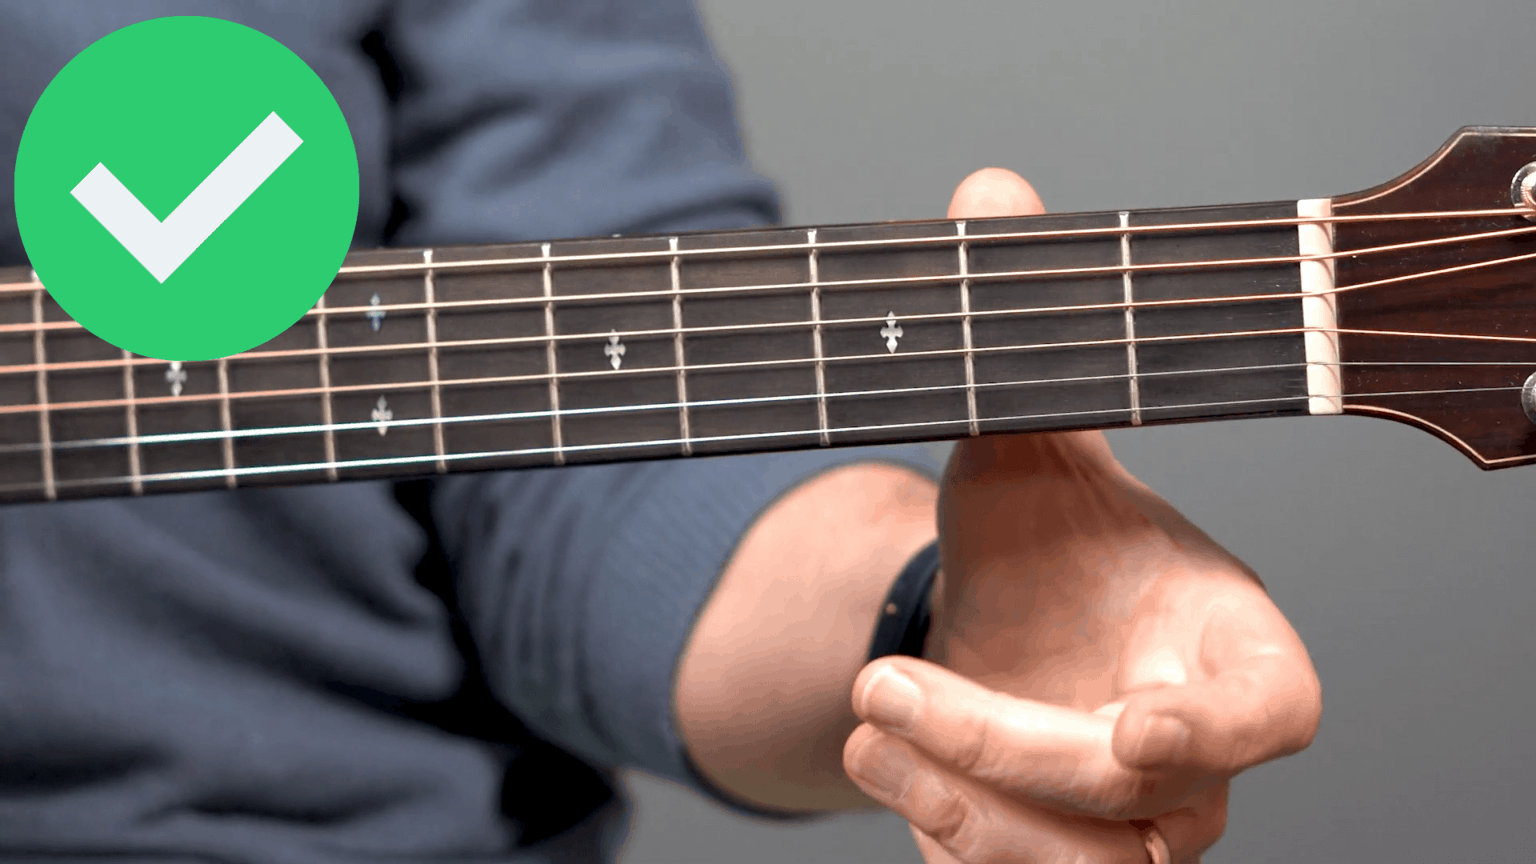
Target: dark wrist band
<point x="904" y="617"/>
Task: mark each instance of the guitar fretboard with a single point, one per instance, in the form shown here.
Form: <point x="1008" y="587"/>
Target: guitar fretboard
<point x="421" y="361"/>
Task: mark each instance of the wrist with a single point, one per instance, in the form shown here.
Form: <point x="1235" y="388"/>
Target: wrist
<point x="934" y="645"/>
<point x="762" y="693"/>
<point x="906" y="616"/>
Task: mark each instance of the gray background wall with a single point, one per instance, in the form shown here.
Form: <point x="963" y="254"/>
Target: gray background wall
<point x="1405" y="569"/>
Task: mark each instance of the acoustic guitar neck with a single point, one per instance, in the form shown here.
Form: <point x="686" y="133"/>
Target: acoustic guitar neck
<point x="1411" y="301"/>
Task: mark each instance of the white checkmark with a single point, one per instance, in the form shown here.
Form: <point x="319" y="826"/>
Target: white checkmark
<point x="162" y="246"/>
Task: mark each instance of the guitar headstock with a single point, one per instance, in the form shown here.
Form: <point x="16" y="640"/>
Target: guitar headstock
<point x="1441" y="332"/>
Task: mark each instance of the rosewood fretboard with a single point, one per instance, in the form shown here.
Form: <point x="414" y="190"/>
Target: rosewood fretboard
<point x="419" y="361"/>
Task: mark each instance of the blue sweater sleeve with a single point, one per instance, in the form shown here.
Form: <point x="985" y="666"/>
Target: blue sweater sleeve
<point x="581" y="586"/>
<point x="543" y="119"/>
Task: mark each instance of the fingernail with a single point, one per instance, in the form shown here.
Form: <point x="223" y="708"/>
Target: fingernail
<point x="1163" y="739"/>
<point x="885" y="765"/>
<point x="892" y="701"/>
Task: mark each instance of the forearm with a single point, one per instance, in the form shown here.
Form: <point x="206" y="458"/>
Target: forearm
<point x="763" y="688"/>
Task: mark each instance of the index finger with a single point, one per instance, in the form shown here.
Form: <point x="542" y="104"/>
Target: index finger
<point x="1048" y="753"/>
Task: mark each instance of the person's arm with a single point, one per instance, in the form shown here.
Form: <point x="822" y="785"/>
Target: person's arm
<point x="763" y="686"/>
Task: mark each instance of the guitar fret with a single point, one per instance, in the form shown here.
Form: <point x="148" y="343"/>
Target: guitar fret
<point x="326" y="417"/>
<point x="603" y="368"/>
<point x="429" y="291"/>
<point x="378" y="373"/>
<point x="44" y="425"/>
<point x="473" y="375"/>
<point x="1029" y="358"/>
<point x="227" y="422"/>
<point x="749" y="361"/>
<point x="677" y="343"/>
<point x="892" y="333"/>
<point x="965" y="326"/>
<point x="814" y="262"/>
<point x="1276" y="323"/>
<point x="1130" y="320"/>
<point x="135" y="470"/>
<point x="554" y="375"/>
<point x="160" y="399"/>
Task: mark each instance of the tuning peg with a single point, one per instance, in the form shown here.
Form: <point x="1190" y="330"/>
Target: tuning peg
<point x="1522" y="190"/>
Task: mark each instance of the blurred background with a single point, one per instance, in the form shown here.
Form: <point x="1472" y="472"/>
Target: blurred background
<point x="1405" y="569"/>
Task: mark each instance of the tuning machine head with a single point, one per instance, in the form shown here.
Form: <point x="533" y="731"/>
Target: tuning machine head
<point x="1522" y="190"/>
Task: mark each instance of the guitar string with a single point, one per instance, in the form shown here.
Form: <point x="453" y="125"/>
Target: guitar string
<point x="950" y="237"/>
<point x="396" y="461"/>
<point x="670" y="332"/>
<point x="415" y="266"/>
<point x="545" y="414"/>
<point x="608" y="374"/>
<point x="995" y="276"/>
<point x="571" y="300"/>
<point x="905" y="319"/>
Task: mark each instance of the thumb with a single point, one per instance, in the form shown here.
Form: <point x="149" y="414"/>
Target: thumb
<point x="997" y="192"/>
<point x="994" y="192"/>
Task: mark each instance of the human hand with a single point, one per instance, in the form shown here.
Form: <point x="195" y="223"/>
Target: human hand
<point x="1095" y="659"/>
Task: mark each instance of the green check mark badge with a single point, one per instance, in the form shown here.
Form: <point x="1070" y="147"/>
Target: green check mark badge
<point x="234" y="140"/>
<point x="162" y="246"/>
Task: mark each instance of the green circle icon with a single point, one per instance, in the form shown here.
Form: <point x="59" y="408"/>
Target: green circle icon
<point x="186" y="188"/>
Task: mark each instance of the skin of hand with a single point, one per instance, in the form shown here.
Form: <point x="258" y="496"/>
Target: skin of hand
<point x="1094" y="658"/>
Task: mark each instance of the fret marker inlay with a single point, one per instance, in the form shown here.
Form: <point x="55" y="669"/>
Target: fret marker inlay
<point x="382" y="415"/>
<point x="614" y="349"/>
<point x="891" y="332"/>
<point x="376" y="315"/>
<point x="175" y="376"/>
